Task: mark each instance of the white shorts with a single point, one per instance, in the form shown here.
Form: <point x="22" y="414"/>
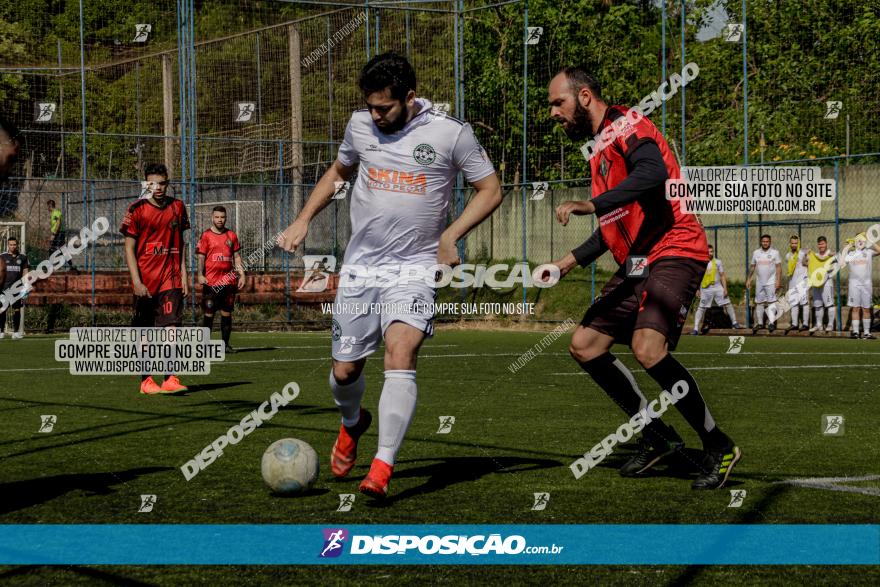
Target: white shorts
<point x="361" y="315"/>
<point x="797" y="297"/>
<point x="823" y="296"/>
<point x="859" y="295"/>
<point x="764" y="294"/>
<point x="713" y="294"/>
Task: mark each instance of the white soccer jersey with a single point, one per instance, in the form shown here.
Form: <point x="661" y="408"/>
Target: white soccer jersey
<point x="404" y="186"/>
<point x="859" y="263"/>
<point x="765" y="266"/>
<point x="800" y="270"/>
<point x="719" y="269"/>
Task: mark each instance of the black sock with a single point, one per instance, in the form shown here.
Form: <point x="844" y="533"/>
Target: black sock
<point x="225" y="328"/>
<point x="2" y="321"/>
<point x="692" y="407"/>
<point x="617" y="381"/>
<point x="16" y="320"/>
<point x="208" y="321"/>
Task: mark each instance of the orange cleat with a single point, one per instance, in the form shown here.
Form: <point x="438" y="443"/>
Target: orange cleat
<point x="172" y="385"/>
<point x="376" y="482"/>
<point x="344" y="453"/>
<point x="149" y="387"/>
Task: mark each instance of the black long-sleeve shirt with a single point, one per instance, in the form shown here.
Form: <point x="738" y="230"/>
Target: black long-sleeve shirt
<point x="646" y="174"/>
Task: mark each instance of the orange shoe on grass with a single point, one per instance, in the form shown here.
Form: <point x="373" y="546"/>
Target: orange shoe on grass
<point x="149" y="387"/>
<point x="344" y="453"/>
<point x="172" y="385"/>
<point x="376" y="482"/>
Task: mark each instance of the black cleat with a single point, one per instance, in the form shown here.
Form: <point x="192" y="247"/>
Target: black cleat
<point x="792" y="328"/>
<point x="869" y="336"/>
<point x="650" y="454"/>
<point x="771" y="327"/>
<point x="230" y="350"/>
<point x="755" y="329"/>
<point x="804" y="327"/>
<point x="717" y="466"/>
<point x="853" y="334"/>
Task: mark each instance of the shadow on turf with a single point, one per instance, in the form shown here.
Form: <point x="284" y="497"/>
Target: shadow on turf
<point x="52" y="572"/>
<point x="209" y="387"/>
<point x="253" y="349"/>
<point x="17" y="495"/>
<point x="684" y="466"/>
<point x="444" y="472"/>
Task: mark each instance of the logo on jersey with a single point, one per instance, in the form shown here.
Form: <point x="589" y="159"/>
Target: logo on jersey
<point x="229" y="243"/>
<point x="603" y="167"/>
<point x="424" y="154"/>
<point x="393" y="180"/>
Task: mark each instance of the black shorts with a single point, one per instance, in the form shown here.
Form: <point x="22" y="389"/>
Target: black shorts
<point x="660" y="301"/>
<point x="163" y="309"/>
<point x="15" y="305"/>
<point x="221" y="299"/>
<point x="57" y="241"/>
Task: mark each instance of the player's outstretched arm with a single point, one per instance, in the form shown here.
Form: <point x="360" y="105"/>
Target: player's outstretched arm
<point x="321" y="196"/>
<point x="485" y="201"/>
<point x="137" y="285"/>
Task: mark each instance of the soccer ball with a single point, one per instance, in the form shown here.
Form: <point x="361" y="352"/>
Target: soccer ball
<point x="290" y="466"/>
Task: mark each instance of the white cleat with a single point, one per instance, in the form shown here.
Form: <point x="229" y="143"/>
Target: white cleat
<point x="17" y="335"/>
<point x="829" y="329"/>
<point x="2" y="335"/>
<point x="814" y="329"/>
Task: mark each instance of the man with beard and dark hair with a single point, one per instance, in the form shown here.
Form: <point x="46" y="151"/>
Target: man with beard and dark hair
<point x="662" y="253"/>
<point x="409" y="155"/>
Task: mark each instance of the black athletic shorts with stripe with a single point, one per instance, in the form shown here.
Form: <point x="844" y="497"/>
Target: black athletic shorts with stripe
<point x="659" y="301"/>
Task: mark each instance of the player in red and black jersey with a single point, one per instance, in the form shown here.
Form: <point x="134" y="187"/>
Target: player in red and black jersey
<point x="153" y="229"/>
<point x="218" y="249"/>
<point x="662" y="253"/>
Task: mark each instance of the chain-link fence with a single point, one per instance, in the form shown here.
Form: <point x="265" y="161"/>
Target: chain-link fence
<point x="248" y="105"/>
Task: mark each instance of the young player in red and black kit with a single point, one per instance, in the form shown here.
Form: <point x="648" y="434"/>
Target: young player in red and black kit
<point x="646" y="312"/>
<point x="153" y="229"/>
<point x="217" y="250"/>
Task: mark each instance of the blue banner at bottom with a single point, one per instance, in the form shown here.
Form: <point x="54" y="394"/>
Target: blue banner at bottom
<point x="167" y="544"/>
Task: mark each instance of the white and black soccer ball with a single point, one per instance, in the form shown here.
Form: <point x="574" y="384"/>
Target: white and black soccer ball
<point x="290" y="466"/>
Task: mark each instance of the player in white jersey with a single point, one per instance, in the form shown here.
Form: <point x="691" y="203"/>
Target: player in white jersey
<point x="798" y="289"/>
<point x="819" y="264"/>
<point x="860" y="285"/>
<point x="409" y="155"/>
<point x="713" y="288"/>
<point x="767" y="264"/>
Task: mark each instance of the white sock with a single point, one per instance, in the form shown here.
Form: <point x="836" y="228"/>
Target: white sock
<point x="730" y="313"/>
<point x="820" y="316"/>
<point x="348" y="398"/>
<point x="855" y="325"/>
<point x="760" y="309"/>
<point x="805" y="311"/>
<point x="396" y="409"/>
<point x="832" y="316"/>
<point x="866" y="325"/>
<point x="794" y="315"/>
<point x="698" y="317"/>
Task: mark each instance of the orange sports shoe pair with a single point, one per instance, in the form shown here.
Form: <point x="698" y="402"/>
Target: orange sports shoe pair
<point x="171" y="385"/>
<point x="344" y="455"/>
